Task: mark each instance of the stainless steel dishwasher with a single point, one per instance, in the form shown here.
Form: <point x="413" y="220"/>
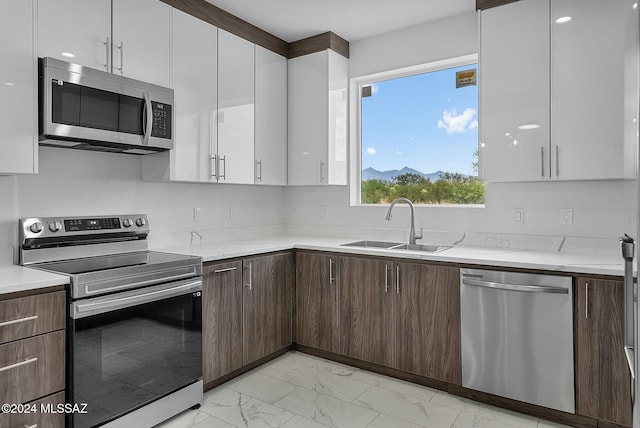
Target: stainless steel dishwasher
<point x="517" y="336"/>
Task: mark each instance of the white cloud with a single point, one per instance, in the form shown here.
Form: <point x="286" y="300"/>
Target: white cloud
<point x="413" y="140"/>
<point x="454" y="123"/>
<point x="371" y="151"/>
<point x="398" y="152"/>
<point x="374" y="89"/>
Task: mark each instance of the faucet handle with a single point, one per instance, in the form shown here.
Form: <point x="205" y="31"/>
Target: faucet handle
<point x="420" y="235"/>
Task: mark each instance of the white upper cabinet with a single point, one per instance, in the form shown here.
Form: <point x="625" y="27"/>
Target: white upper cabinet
<point x="142" y="40"/>
<point x="559" y="99"/>
<point x="593" y="67"/>
<point x="317" y="119"/>
<point x="195" y="63"/>
<point x="77" y="31"/>
<point x="236" y="109"/>
<point x="136" y="44"/>
<point x="514" y="100"/>
<point x="18" y="85"/>
<point x="271" y="118"/>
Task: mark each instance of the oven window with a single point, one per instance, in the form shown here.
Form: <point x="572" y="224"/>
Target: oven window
<point x="127" y="358"/>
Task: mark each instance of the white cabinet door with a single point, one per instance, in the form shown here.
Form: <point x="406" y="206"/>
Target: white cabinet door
<point x="195" y="65"/>
<point x="514" y="61"/>
<point x="77" y="31"/>
<point x="589" y="58"/>
<point x="142" y="40"/>
<point x="271" y="118"/>
<point x="308" y="116"/>
<point x="337" y="119"/>
<point x="18" y="110"/>
<point x="236" y="108"/>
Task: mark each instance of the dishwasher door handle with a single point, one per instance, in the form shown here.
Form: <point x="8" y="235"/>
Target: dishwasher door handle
<point x="515" y="287"/>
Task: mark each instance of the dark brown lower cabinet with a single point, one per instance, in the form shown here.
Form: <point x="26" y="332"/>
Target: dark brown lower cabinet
<point x="366" y="309"/>
<point x="247" y="312"/>
<point x="221" y="319"/>
<point x="267" y="305"/>
<point x="316" y="301"/>
<point x="602" y="376"/>
<point x="427" y="317"/>
<point x="45" y="415"/>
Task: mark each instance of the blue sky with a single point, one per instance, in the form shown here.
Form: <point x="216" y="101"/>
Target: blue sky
<point x="422" y="122"/>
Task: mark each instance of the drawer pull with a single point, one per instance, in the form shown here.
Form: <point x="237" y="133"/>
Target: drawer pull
<point x="21" y="363"/>
<point x="31" y="318"/>
<point x="225" y="270"/>
<point x="31" y="426"/>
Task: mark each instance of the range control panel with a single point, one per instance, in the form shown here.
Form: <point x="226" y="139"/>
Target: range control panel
<point x="42" y="227"/>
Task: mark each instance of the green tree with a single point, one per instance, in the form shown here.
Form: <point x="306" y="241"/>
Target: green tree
<point x="375" y="191"/>
<point x="410" y="179"/>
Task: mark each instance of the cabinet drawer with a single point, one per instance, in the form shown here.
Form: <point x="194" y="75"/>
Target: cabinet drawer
<point x="32" y="368"/>
<point x="32" y="315"/>
<point x="43" y="417"/>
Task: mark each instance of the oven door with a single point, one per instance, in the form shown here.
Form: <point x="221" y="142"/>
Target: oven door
<point x="129" y="349"/>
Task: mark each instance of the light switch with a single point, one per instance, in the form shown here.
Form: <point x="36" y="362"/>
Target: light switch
<point x="518" y="215"/>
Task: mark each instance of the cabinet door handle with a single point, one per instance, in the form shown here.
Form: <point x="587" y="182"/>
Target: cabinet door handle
<point x="397" y="279"/>
<point x="331" y="271"/>
<point x="386" y="278"/>
<point x="557" y="161"/>
<point x="223" y="176"/>
<point x="249" y="284"/>
<point x="121" y="47"/>
<point x="214" y="166"/>
<point x="31" y="426"/>
<point x="225" y="270"/>
<point x="542" y="161"/>
<point x="107" y="44"/>
<point x="321" y="172"/>
<point x="16" y="321"/>
<point x="586" y="300"/>
<point x="21" y="363"/>
<point x="259" y="170"/>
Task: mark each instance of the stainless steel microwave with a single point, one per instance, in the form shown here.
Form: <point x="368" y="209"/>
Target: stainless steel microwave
<point x="89" y="109"/>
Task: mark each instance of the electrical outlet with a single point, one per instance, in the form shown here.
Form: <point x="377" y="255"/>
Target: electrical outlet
<point x="196" y="214"/>
<point x="518" y="215"/>
<point x="566" y="216"/>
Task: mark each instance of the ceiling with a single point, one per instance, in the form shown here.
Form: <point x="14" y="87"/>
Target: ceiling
<point x="293" y="20"/>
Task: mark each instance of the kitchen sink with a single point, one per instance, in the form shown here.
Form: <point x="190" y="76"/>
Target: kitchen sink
<point x="372" y="244"/>
<point x="429" y="248"/>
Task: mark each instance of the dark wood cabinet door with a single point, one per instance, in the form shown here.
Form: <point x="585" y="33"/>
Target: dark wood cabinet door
<point x="602" y="375"/>
<point x="222" y="319"/>
<point x="427" y="316"/>
<point x="267" y="305"/>
<point x="316" y="301"/>
<point x="32" y="315"/>
<point x="366" y="309"/>
<point x="32" y="368"/>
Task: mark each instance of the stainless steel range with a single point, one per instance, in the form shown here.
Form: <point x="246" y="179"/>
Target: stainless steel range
<point x="134" y="329"/>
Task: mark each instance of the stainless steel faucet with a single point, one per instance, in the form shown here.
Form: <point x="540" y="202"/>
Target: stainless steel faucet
<point x="412" y="231"/>
<point x="193" y="234"/>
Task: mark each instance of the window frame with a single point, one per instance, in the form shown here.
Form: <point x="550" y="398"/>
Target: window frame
<point x="355" y="121"/>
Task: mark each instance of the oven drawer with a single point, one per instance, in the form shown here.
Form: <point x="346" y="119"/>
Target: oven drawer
<point x="29" y="316"/>
<point x="32" y="368"/>
<point x="45" y="415"/>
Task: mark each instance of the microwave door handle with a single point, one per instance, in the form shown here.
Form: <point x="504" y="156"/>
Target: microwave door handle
<point x="148" y="116"/>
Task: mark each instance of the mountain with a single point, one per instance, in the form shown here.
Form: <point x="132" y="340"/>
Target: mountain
<point x="374" y="174"/>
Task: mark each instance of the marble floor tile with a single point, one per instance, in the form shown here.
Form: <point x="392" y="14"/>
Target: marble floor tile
<point x="187" y="419"/>
<point x="326" y="410"/>
<point x="386" y="421"/>
<point x="261" y="386"/>
<point x="279" y="367"/>
<point x="325" y="382"/>
<point x="241" y="410"/>
<point x="469" y="420"/>
<point x="549" y="424"/>
<point x="407" y="408"/>
<point x="397" y="385"/>
<point x="494" y="413"/>
<point x="300" y="422"/>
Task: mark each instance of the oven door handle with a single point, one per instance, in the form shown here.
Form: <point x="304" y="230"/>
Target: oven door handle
<point x="98" y="305"/>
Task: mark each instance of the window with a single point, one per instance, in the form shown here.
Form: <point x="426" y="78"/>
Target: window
<point x="419" y="135"/>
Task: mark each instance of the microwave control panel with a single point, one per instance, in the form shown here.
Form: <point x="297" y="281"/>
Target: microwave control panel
<point x="161" y="120"/>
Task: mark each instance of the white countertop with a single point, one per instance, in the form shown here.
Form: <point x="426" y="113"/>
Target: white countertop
<point x="587" y="263"/>
<point x="18" y="278"/>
